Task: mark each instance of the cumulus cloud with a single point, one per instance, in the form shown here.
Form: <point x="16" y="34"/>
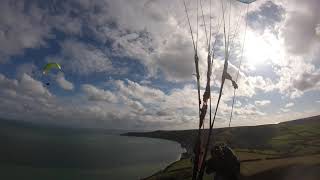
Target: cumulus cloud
<point x="307" y="81"/>
<point x="96" y="35"/>
<point x="26" y="99"/>
<point x="129" y="105"/>
<point x="318" y="30"/>
<point x="63" y="83"/>
<point x="299" y="31"/>
<point x="21" y="96"/>
<point x="262" y="103"/>
<point x="83" y="58"/>
<point x="289" y="105"/>
<point x="21" y="28"/>
<point x="96" y="94"/>
<point x="137" y="91"/>
<point x="33" y="87"/>
<point x="285" y="110"/>
<point x="266" y="16"/>
<point x="27" y="68"/>
<point x="175" y="59"/>
<point x="159" y="40"/>
<point x="294" y="82"/>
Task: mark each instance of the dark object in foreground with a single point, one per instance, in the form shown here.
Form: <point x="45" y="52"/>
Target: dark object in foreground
<point x="224" y="163"/>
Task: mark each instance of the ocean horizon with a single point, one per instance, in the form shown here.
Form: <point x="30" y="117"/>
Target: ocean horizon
<point x="33" y="154"/>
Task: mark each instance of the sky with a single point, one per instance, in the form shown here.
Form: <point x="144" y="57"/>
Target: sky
<point x="128" y="64"/>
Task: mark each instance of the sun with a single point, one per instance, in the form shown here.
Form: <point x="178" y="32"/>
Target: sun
<point x="260" y="49"/>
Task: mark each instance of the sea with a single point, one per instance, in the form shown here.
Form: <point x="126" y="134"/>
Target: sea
<point x="45" y="155"/>
<point x="139" y="157"/>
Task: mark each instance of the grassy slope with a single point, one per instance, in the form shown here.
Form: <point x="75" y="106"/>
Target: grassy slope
<point x="295" y="143"/>
<point x="294" y="168"/>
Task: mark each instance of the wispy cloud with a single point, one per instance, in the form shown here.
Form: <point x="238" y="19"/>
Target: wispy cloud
<point x="289" y="105"/>
<point x="63" y="83"/>
<point x="285" y="110"/>
<point x="262" y="103"/>
<point x="20" y="29"/>
<point x="101" y="38"/>
<point x="96" y="94"/>
<point x="83" y="59"/>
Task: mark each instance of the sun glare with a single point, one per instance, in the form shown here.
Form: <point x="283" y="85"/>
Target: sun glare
<point x="259" y="49"/>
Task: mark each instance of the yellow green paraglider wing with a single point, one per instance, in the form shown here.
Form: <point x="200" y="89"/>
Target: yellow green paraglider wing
<point x="49" y="66"/>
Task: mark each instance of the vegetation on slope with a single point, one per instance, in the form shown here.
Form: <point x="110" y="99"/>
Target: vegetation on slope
<point x="267" y="151"/>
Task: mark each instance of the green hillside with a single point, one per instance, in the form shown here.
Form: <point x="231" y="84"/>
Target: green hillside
<point x="294" y="144"/>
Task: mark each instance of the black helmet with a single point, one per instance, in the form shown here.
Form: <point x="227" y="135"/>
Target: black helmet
<point x="216" y="150"/>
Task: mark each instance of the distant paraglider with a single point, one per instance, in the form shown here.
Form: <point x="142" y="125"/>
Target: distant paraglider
<point x="49" y="66"/>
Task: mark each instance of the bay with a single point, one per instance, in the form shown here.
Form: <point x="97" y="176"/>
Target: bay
<point x="84" y="156"/>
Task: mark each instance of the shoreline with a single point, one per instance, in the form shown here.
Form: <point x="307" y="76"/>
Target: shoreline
<point x="162" y="170"/>
<point x="183" y="155"/>
<point x="167" y="166"/>
<point x="188" y="150"/>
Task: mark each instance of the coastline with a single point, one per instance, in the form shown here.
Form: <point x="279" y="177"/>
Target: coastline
<point x="162" y="170"/>
<point x="168" y="166"/>
<point x="184" y="144"/>
<point x="183" y="155"/>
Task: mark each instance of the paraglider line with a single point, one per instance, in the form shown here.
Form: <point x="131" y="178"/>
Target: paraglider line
<point x="242" y="50"/>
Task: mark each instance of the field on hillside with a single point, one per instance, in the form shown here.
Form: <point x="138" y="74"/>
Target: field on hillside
<point x="292" y="168"/>
<point x="286" y="150"/>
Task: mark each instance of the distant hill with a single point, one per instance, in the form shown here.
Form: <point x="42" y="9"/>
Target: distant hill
<point x="308" y="120"/>
<point x="19" y="125"/>
<point x="287" y="137"/>
<point x="288" y="150"/>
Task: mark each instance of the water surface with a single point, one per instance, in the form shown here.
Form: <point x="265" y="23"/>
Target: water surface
<point x="34" y="155"/>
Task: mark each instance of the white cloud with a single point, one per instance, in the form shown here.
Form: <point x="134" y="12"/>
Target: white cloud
<point x="160" y="40"/>
<point x="137" y="91"/>
<point x="129" y="105"/>
<point x="299" y="33"/>
<point x="318" y="30"/>
<point x="262" y="103"/>
<point x="96" y="94"/>
<point x="266" y="16"/>
<point x="63" y="83"/>
<point x="7" y="83"/>
<point x="308" y="81"/>
<point x="289" y="105"/>
<point x="156" y="34"/>
<point x="21" y="29"/>
<point x="27" y="68"/>
<point x="299" y="30"/>
<point x="20" y="96"/>
<point x="135" y="105"/>
<point x="285" y="110"/>
<point x="237" y="104"/>
<point x="293" y="81"/>
<point x="83" y="58"/>
<point x="32" y="87"/>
